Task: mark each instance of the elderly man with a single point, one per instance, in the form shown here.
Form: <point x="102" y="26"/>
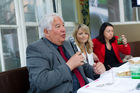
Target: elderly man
<point x="52" y="64"/>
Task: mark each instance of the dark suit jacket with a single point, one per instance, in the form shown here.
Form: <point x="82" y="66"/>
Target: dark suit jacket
<point x="48" y="72"/>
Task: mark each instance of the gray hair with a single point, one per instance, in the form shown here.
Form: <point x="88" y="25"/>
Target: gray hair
<point x="46" y="22"/>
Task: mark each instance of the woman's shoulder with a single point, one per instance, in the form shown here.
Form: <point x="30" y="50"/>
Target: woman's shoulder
<point x="96" y="41"/>
<point x="116" y="37"/>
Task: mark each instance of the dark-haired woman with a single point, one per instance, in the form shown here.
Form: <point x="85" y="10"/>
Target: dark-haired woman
<point x="106" y="47"/>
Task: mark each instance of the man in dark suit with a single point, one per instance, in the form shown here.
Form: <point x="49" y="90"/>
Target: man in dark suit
<point x="49" y="70"/>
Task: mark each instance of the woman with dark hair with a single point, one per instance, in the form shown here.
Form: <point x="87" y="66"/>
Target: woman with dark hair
<point x="106" y="46"/>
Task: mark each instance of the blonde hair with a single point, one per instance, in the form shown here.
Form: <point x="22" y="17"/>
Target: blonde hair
<point x="89" y="44"/>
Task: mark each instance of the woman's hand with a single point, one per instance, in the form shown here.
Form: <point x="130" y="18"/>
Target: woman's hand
<point x="99" y="68"/>
<point x="124" y="40"/>
<point x="96" y="59"/>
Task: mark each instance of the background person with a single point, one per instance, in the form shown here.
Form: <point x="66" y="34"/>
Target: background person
<point x="53" y="67"/>
<point x="84" y="43"/>
<point x="107" y="48"/>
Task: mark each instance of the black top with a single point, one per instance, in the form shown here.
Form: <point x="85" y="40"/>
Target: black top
<point x="110" y="59"/>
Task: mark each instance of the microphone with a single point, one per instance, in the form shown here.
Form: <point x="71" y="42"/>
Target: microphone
<point x="73" y="44"/>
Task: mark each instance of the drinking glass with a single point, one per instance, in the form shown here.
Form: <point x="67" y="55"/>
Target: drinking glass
<point x="119" y="41"/>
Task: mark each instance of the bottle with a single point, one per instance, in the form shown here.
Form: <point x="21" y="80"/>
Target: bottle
<point x="119" y="41"/>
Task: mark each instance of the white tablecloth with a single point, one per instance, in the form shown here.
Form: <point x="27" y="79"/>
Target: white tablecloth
<point x="109" y="82"/>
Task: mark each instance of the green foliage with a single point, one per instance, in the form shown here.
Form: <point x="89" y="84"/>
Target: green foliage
<point x="85" y="11"/>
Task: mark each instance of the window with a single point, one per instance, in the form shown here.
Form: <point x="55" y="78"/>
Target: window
<point x="69" y="10"/>
<point x="7" y="12"/>
<point x="102" y="11"/>
<point x="18" y="28"/>
<point x="113" y="11"/>
<point x="10" y="48"/>
<point x="32" y="34"/>
<point x="29" y="10"/>
<point x="19" y="22"/>
<point x="138" y="13"/>
<point x="129" y="12"/>
<point x="107" y="10"/>
<point x="0" y="65"/>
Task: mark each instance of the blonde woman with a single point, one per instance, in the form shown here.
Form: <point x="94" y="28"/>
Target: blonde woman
<point x="83" y="42"/>
<point x="85" y="46"/>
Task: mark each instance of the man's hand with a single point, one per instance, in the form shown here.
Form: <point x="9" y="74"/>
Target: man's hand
<point x="99" y="68"/>
<point x="75" y="61"/>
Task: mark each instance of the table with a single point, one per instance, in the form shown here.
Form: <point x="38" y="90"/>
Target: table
<point x="109" y="82"/>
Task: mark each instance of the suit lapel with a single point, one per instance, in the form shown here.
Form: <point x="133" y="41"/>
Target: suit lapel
<point x="59" y="57"/>
<point x="55" y="51"/>
<point x="68" y="48"/>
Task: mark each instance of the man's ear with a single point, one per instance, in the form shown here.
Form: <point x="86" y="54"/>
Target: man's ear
<point x="46" y="32"/>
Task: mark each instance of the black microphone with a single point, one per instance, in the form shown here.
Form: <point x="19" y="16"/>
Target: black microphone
<point x="73" y="44"/>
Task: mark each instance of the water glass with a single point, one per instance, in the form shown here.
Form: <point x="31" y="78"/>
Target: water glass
<point x="119" y="41"/>
<point x="135" y="71"/>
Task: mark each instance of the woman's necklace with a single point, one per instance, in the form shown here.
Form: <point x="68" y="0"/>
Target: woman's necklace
<point x="85" y="52"/>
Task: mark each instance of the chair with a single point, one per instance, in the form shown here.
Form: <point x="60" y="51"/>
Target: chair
<point x="14" y="81"/>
